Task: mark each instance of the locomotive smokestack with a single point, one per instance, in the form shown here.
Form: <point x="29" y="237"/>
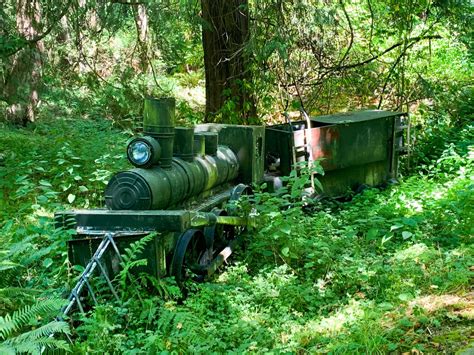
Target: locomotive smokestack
<point x="158" y="122"/>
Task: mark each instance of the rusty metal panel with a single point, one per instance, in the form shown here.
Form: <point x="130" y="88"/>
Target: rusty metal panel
<point x="344" y="145"/>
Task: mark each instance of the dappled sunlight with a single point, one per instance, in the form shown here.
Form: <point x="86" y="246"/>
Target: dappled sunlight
<point x="417" y="252"/>
<point x="437" y="195"/>
<point x="414" y="205"/>
<point x="379" y="260"/>
<point x="41" y="212"/>
<point x="332" y="324"/>
<point x="460" y="305"/>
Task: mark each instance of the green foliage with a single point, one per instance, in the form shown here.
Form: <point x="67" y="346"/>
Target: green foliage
<point x="363" y="54"/>
<point x="130" y="260"/>
<point x="15" y="340"/>
<point x="318" y="276"/>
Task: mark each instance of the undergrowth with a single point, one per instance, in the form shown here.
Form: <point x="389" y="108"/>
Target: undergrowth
<point x="389" y="270"/>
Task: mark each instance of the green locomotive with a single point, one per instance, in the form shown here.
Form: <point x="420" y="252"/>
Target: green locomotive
<point x="184" y="178"/>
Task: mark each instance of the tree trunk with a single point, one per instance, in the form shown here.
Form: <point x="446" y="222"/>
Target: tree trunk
<point x="24" y="77"/>
<point x="141" y="22"/>
<point x="224" y="35"/>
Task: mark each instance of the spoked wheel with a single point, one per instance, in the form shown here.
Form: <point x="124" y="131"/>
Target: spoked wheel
<point x="191" y="257"/>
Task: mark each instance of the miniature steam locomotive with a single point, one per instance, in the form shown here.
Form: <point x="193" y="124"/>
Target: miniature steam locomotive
<point x="185" y="180"/>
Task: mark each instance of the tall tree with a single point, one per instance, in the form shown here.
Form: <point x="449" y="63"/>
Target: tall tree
<point x="24" y="77"/>
<point x="22" y="54"/>
<point x="141" y="23"/>
<point x="224" y="35"/>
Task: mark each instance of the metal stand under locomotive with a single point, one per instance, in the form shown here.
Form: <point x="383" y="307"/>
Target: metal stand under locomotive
<point x="184" y="178"/>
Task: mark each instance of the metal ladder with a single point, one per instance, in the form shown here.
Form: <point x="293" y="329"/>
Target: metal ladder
<point x="306" y="149"/>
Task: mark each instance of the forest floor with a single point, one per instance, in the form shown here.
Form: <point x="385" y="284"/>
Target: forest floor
<point x="391" y="270"/>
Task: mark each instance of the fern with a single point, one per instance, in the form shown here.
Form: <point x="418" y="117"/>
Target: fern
<point x="12" y="298"/>
<point x="10" y="292"/>
<point x="33" y="346"/>
<point x="42" y="332"/>
<point x="7" y="349"/>
<point x="136" y="248"/>
<point x="129" y="259"/>
<point x="32" y="341"/>
<point x="20" y="318"/>
<point x="8" y="265"/>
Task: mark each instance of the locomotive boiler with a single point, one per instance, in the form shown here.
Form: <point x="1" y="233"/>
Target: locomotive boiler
<point x="185" y="182"/>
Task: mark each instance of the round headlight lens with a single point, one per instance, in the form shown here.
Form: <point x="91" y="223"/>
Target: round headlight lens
<point x="144" y="152"/>
<point x="139" y="152"/>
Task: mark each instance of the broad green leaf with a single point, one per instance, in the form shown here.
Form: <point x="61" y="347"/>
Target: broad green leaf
<point x="372" y="233"/>
<point x="406" y="235"/>
<point x="395" y="227"/>
<point x="386" y="238"/>
<point x="71" y="198"/>
<point x="404" y="297"/>
<point x="42" y="199"/>
<point x="45" y="183"/>
<point x="409" y="222"/>
<point x="47" y="262"/>
<point x="267" y="253"/>
<point x="386" y="306"/>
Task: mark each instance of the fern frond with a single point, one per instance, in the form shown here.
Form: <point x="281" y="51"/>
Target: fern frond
<point x="130" y="259"/>
<point x="8" y="292"/>
<point x="135" y="248"/>
<point x="7" y="265"/>
<point x="35" y="346"/>
<point x="21" y="317"/>
<point x="136" y="263"/>
<point x="44" y="331"/>
<point x="7" y="349"/>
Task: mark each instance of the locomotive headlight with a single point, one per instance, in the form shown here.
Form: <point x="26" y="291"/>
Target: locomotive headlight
<point x="144" y="152"/>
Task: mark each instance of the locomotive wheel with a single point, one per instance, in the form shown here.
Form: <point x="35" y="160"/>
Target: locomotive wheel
<point x="191" y="257"/>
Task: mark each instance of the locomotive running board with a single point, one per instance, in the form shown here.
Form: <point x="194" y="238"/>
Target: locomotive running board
<point x="98" y="221"/>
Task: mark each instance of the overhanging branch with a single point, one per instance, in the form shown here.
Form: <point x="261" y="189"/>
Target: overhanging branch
<point x="38" y="38"/>
<point x="125" y="2"/>
<point x="412" y="41"/>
